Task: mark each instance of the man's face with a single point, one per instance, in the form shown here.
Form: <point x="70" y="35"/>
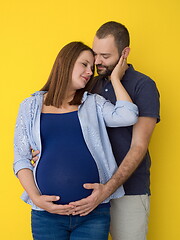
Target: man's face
<point x="106" y="55"/>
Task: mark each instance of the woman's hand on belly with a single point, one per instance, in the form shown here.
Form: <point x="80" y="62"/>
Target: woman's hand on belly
<point x="46" y="202"/>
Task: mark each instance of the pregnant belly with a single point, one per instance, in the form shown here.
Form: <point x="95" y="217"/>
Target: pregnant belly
<point x="65" y="178"/>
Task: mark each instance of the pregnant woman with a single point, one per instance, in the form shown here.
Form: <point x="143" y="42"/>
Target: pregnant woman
<point x="68" y="126"/>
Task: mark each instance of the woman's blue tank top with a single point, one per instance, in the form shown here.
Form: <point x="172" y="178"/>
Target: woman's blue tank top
<point x="66" y="163"/>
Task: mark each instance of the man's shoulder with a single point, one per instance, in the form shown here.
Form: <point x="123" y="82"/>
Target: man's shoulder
<point x="134" y="80"/>
<point x="137" y="76"/>
<point x="130" y="74"/>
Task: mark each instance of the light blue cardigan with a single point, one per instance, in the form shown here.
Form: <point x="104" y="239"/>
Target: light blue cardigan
<point x="95" y="113"/>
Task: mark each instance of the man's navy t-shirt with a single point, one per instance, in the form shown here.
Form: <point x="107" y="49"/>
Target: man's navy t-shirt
<point x="144" y="94"/>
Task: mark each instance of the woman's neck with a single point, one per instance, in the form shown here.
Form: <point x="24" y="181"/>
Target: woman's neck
<point x="64" y="108"/>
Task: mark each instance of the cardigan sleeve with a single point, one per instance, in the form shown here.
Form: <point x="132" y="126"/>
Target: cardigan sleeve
<point x="122" y="114"/>
<point x="22" y="148"/>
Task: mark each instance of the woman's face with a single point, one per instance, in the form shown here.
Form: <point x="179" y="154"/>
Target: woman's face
<point x="83" y="70"/>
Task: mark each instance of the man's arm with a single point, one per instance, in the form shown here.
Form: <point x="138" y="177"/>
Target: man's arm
<point x="141" y="135"/>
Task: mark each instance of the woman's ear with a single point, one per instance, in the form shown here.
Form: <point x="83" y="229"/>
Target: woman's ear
<point x="126" y="52"/>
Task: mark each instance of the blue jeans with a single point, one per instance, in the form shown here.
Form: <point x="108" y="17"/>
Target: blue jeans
<point x="48" y="226"/>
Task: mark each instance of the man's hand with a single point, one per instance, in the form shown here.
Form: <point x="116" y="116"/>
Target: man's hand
<point x="46" y="202"/>
<point x="86" y="205"/>
<point x="34" y="157"/>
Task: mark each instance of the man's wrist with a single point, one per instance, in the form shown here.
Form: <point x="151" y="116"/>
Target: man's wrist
<point x="111" y="186"/>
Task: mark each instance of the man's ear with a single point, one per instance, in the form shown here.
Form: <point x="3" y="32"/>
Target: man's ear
<point x="126" y="51"/>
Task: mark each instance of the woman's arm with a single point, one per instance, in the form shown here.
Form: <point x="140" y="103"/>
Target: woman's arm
<point x="116" y="76"/>
<point x="23" y="168"/>
<point x="26" y="179"/>
<point x="45" y="202"/>
<point x="124" y="112"/>
<point x="22" y="151"/>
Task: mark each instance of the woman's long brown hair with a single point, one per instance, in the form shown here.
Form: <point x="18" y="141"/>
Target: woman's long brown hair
<point x="61" y="76"/>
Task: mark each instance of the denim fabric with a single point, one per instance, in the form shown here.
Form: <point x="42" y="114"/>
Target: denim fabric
<point x="94" y="226"/>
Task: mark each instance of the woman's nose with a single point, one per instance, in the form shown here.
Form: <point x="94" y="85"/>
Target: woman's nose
<point x="89" y="71"/>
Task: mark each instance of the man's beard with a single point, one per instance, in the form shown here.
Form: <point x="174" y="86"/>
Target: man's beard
<point x="106" y="71"/>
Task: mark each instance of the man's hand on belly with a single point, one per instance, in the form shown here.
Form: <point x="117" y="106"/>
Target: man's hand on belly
<point x="81" y="207"/>
<point x="46" y="202"/>
<point x="86" y="205"/>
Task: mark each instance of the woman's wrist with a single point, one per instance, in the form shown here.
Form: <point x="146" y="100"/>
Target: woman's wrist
<point x="35" y="197"/>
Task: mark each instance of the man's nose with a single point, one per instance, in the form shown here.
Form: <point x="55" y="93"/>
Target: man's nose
<point x="98" y="60"/>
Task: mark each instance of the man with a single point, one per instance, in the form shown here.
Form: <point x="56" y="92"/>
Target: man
<point x="129" y="214"/>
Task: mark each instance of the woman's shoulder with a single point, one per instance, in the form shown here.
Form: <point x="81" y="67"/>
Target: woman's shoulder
<point x="29" y="102"/>
<point x="37" y="94"/>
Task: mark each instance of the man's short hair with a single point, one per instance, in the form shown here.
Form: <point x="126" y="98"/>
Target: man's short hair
<point x="118" y="31"/>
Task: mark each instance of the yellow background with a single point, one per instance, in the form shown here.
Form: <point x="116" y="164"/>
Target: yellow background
<point x="32" y="33"/>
